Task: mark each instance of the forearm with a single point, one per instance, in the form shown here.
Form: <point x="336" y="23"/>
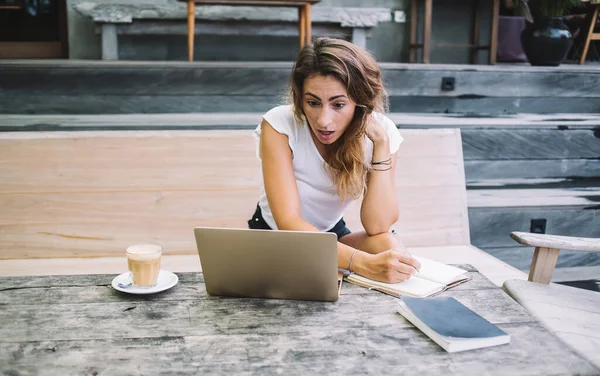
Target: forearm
<point x="345" y="253"/>
<point x="379" y="209"/>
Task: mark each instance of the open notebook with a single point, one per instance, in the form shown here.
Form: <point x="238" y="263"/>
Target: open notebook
<point x="433" y="278"/>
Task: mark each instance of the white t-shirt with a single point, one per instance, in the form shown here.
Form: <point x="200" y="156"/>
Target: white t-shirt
<point x="319" y="202"/>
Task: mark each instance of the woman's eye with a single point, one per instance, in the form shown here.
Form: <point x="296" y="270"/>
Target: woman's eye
<point x="339" y="105"/>
<point x="312" y="103"/>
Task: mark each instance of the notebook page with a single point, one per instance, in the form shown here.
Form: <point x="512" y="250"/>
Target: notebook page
<point x="439" y="272"/>
<point x="413" y="286"/>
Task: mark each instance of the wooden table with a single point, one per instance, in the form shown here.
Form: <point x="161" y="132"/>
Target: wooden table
<point x="304" y="19"/>
<point x="474" y="46"/>
<point x="59" y="325"/>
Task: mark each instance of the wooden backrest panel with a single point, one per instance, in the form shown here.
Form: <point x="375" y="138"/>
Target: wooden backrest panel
<point x="90" y="194"/>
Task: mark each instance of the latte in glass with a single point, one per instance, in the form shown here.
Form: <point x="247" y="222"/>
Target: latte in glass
<point x="143" y="261"/>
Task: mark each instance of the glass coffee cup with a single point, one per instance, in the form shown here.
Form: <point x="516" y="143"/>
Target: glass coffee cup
<point x="143" y="261"/>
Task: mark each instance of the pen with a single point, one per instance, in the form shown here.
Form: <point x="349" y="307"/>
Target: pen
<point x="404" y="248"/>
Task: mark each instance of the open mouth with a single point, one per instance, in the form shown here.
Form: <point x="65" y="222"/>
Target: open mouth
<point x="325" y="136"/>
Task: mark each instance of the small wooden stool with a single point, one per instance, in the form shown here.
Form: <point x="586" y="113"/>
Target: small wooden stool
<point x="304" y="19"/>
<point x="475" y="46"/>
<point x="591" y="34"/>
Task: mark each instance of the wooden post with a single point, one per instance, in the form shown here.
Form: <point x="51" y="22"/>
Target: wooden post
<point x="63" y="31"/>
<point x="588" y="39"/>
<point x="427" y="31"/>
<point x="302" y="25"/>
<point x="542" y="266"/>
<point x="494" y="31"/>
<point x="191" y="28"/>
<point x="414" y="21"/>
<point x="475" y="38"/>
<point x="308" y="23"/>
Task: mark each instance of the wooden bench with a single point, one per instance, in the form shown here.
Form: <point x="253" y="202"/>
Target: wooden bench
<point x="170" y="19"/>
<point x="520" y="170"/>
<point x="571" y="313"/>
<point x="73" y="201"/>
<point x="304" y="16"/>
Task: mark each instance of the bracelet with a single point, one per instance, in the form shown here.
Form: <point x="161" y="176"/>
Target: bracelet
<point x="385" y="162"/>
<point x="351" y="260"/>
<point x="385" y="169"/>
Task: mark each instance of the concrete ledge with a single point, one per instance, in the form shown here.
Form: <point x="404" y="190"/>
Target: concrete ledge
<point x="498" y="68"/>
<point x="251" y="119"/>
<point x="127" y="13"/>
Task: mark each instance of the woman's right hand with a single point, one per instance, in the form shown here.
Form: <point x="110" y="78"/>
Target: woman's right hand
<point x="391" y="266"/>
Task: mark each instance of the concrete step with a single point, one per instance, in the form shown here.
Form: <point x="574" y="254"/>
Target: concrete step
<point x="581" y="273"/>
<point x="89" y="87"/>
<point x="249" y="120"/>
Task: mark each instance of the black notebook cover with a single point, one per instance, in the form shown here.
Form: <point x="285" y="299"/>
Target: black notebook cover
<point x="450" y="318"/>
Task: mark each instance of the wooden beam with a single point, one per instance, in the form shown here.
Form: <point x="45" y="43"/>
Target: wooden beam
<point x="301" y="26"/>
<point x="260" y="3"/>
<point x="473" y="47"/>
<point x="494" y="32"/>
<point x="63" y="29"/>
<point x="555" y="241"/>
<point x="414" y="21"/>
<point x="191" y="15"/>
<point x="427" y="32"/>
<point x="28" y="50"/>
<point x="542" y="266"/>
<point x="588" y="39"/>
<point x="308" y="23"/>
<point x="475" y="39"/>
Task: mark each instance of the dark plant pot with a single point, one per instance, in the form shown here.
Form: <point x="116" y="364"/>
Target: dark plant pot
<point x="546" y="41"/>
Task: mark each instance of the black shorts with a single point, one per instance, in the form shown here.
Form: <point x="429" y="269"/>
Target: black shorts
<point x="257" y="222"/>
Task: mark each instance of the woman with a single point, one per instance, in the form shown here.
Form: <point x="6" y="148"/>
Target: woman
<point x="332" y="145"/>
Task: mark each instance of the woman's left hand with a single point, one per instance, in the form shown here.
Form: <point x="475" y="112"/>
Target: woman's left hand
<point x="375" y="131"/>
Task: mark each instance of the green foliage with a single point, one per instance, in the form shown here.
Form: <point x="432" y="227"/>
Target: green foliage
<point x="550" y="8"/>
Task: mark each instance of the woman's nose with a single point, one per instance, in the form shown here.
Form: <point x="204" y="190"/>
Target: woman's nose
<point x="324" y="118"/>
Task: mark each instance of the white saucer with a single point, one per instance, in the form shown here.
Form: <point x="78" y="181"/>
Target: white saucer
<point x="166" y="280"/>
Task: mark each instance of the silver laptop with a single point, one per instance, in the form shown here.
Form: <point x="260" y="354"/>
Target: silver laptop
<point x="269" y="264"/>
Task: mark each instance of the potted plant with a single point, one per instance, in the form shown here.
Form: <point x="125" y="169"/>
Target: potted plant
<point x="546" y="39"/>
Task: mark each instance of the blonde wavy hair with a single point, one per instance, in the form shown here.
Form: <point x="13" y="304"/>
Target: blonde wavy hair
<point x="361" y="75"/>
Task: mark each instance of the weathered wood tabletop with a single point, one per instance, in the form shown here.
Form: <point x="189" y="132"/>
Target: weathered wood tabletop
<point x="79" y="325"/>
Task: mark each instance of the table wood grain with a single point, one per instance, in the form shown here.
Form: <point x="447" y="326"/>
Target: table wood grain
<point x="79" y="325"/>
